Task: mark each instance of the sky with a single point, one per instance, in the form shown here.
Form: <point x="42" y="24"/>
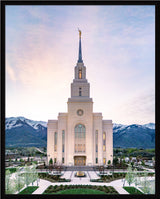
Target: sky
<point x="118" y="50"/>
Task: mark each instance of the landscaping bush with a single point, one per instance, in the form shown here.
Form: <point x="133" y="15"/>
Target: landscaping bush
<point x="52" y="178"/>
<point x="100" y="188"/>
<point x="65" y="186"/>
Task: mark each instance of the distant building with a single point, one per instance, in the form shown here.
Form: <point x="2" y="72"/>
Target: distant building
<point x="126" y="159"/>
<point x="80" y="137"/>
<point x="149" y="163"/>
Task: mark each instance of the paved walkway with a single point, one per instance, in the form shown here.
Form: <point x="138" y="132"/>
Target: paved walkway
<point x="93" y="175"/>
<point x="67" y="175"/>
<point x="117" y="184"/>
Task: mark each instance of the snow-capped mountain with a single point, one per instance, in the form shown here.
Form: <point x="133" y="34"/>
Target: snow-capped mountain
<point x="117" y="127"/>
<point x="150" y="125"/>
<point x="21" y="131"/>
<point x="13" y="122"/>
<point x="134" y="135"/>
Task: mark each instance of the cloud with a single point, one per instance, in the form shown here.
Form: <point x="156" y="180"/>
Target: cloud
<point x="117" y="51"/>
<point x="140" y="108"/>
<point x="10" y="72"/>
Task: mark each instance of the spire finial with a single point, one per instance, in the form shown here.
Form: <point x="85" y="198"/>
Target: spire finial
<point x="79" y="32"/>
<point x="80" y="51"/>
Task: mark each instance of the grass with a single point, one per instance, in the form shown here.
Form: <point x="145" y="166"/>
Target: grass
<point x="28" y="190"/>
<point x="80" y="191"/>
<point x="12" y="170"/>
<point x="132" y="190"/>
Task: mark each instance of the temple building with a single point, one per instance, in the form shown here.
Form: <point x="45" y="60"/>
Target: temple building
<point x="80" y="137"/>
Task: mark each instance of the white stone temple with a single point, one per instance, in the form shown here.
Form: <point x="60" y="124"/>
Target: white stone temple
<point x="80" y="137"/>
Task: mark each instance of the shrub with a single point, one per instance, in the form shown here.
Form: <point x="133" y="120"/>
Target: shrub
<point x="100" y="188"/>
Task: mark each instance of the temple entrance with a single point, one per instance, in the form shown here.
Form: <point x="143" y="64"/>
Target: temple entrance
<point x="79" y="160"/>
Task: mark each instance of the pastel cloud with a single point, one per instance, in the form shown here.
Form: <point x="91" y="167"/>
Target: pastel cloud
<point x="117" y="51"/>
<point x="10" y="72"/>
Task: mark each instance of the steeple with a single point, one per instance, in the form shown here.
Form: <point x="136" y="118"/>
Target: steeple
<point x="80" y="50"/>
<point x="80" y="88"/>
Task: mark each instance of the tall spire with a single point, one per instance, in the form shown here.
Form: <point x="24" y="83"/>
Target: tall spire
<point x="80" y="51"/>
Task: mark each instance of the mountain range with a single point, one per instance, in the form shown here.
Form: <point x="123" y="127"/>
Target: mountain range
<point x="23" y="132"/>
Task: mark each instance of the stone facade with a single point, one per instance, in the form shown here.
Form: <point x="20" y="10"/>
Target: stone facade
<point x="80" y="137"/>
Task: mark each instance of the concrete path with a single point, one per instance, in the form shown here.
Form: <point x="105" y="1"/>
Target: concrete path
<point x="93" y="175"/>
<point x="43" y="184"/>
<point x="117" y="184"/>
<point x="120" y="190"/>
<point x="67" y="175"/>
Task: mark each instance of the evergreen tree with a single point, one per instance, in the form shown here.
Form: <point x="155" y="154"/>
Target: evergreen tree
<point x="109" y="162"/>
<point x="50" y="161"/>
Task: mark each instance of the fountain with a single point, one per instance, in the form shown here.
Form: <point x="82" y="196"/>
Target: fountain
<point x="80" y="174"/>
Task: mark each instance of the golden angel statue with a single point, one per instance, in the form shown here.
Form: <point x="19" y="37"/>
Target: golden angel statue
<point x="79" y="32"/>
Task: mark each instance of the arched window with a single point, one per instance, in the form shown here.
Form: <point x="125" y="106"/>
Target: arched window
<point x="80" y="137"/>
<point x="80" y="74"/>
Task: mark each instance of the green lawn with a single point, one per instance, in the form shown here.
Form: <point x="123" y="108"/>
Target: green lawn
<point x="28" y="190"/>
<point x="132" y="190"/>
<point x="80" y="191"/>
<point x="12" y="170"/>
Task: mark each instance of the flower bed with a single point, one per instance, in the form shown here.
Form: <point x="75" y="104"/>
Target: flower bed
<point x="52" y="178"/>
<point x="86" y="188"/>
<point x="109" y="178"/>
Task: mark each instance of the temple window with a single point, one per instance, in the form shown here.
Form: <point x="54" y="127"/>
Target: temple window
<point x="80" y="74"/>
<point x="63" y="140"/>
<point x="80" y="136"/>
<point x="104" y="141"/>
<point x="55" y="141"/>
<point x="80" y="92"/>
